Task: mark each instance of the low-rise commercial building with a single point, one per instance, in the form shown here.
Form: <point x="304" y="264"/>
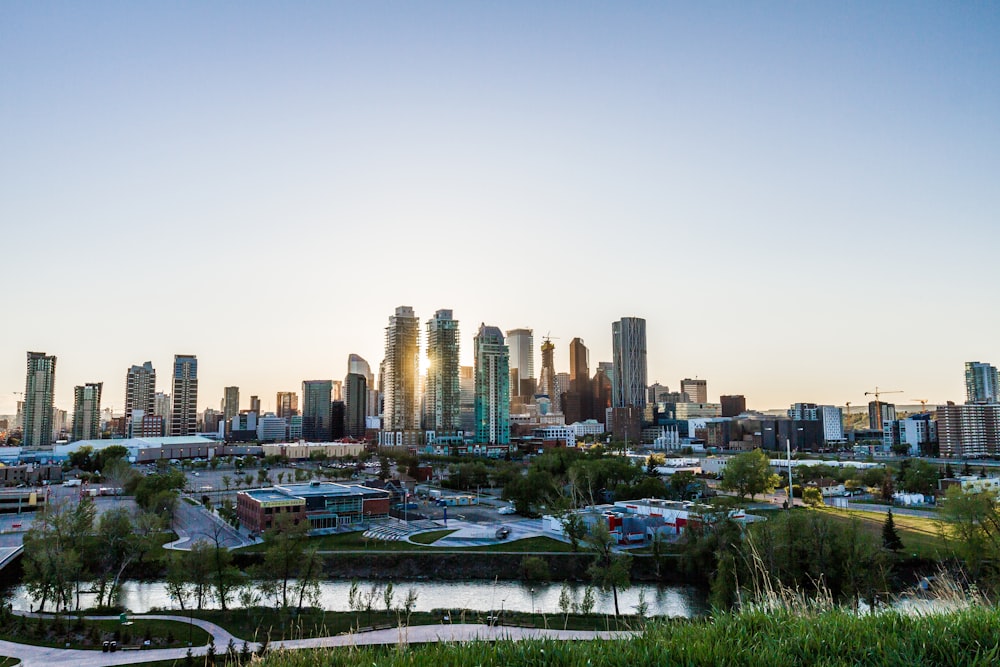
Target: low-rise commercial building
<point x="327" y="506"/>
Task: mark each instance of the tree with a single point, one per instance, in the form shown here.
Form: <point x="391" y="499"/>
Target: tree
<point x="812" y="496"/>
<point x="888" y="487"/>
<point x="284" y="558"/>
<point x="575" y="528"/>
<point x="749" y="474"/>
<point x="226" y="481"/>
<point x="920" y="477"/>
<point x="610" y="570"/>
<point x="972" y="525"/>
<point x="890" y="537"/>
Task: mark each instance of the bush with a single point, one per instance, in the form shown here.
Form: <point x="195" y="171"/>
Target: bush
<point x="535" y="568"/>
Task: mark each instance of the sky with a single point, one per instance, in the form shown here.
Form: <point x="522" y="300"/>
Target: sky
<point x="801" y="199"/>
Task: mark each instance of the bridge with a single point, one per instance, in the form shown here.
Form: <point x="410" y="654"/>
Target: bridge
<point x="9" y="555"/>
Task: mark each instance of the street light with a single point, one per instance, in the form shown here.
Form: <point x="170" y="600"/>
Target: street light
<point x="532" y="591"/>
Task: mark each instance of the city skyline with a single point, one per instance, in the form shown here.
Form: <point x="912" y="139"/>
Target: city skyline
<point x="761" y="170"/>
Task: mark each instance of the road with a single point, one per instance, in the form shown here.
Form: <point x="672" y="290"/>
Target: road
<point x="42" y="656"/>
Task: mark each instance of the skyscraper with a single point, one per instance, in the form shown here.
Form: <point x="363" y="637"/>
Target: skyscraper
<point x="184" y="417"/>
<point x="697" y="390"/>
<point x="467" y="401"/>
<point x="492" y="387"/>
<point x="87" y="411"/>
<point x="230" y="405"/>
<point x="286" y="404"/>
<point x="356" y="364"/>
<point x="521" y="343"/>
<point x="140" y="392"/>
<point x="577" y="403"/>
<point x="401" y="409"/>
<point x="356" y="404"/>
<point x="255" y="404"/>
<point x="40" y="386"/>
<point x="443" y="391"/>
<point x="316" y="399"/>
<point x="163" y="409"/>
<point x="981" y="383"/>
<point x="547" y="378"/>
<point x="628" y="344"/>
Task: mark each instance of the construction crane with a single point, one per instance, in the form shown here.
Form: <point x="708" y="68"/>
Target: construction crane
<point x="923" y="403"/>
<point x="878" y="402"/>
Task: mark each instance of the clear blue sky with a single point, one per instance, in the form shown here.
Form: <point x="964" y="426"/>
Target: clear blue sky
<point x="801" y="198"/>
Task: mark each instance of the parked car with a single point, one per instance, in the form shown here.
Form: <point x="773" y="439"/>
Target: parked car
<point x="507" y="510"/>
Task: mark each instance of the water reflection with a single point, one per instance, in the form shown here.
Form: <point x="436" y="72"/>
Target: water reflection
<point x="674" y="601"/>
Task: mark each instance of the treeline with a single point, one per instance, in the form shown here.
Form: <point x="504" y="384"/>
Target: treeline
<point x="69" y="549"/>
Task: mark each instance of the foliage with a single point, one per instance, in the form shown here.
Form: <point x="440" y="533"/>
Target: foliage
<point x="812" y="496"/>
<point x="919" y="477"/>
<point x="749" y="474"/>
<point x="760" y="637"/>
<point x="610" y="569"/>
<point x="890" y="536"/>
<point x="291" y="569"/>
<point x="535" y="568"/>
<point x="973" y="529"/>
<point x="808" y="552"/>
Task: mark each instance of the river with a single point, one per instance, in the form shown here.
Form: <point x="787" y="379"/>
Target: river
<point x="673" y="601"/>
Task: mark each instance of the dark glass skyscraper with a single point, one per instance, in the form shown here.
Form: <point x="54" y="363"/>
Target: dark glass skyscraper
<point x="316" y="399"/>
<point x="184" y="417"/>
<point x="39" y="388"/>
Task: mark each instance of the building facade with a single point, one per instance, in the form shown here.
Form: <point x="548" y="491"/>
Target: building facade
<point x="981" y="383"/>
<point x="286" y="404"/>
<point x="87" y="411"/>
<point x="521" y="343"/>
<point x="401" y="370"/>
<point x="628" y="344"/>
<point x="492" y="387"/>
<point x="733" y="405"/>
<point x="39" y="389"/>
<point x="969" y="431"/>
<point x="356" y="404"/>
<point x="140" y="392"/>
<point x="443" y="390"/>
<point x="184" y="415"/>
<point x="697" y="390"/>
<point x="230" y="403"/>
<point x="316" y="400"/>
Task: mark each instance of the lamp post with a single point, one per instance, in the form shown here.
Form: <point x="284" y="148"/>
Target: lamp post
<point x="791" y="496"/>
<point x="532" y="591"/>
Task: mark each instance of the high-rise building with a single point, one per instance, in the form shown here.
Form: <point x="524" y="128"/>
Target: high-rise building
<point x="733" y="405"/>
<point x="356" y="405"/>
<point x="443" y="391"/>
<point x="338" y="390"/>
<point x="547" y="378"/>
<point x="969" y="431"/>
<point x="628" y="343"/>
<point x="578" y="402"/>
<point x="981" y="383"/>
<point x="184" y="416"/>
<point x="230" y="404"/>
<point x="40" y="387"/>
<point x="316" y="400"/>
<point x="87" y="411"/>
<point x="880" y="412"/>
<point x="356" y="364"/>
<point x="255" y="405"/>
<point x="467" y="398"/>
<point x="521" y="343"/>
<point x="401" y="409"/>
<point x="656" y="393"/>
<point x="163" y="409"/>
<point x="338" y="419"/>
<point x="286" y="404"/>
<point x="492" y="387"/>
<point x="697" y="390"/>
<point x="601" y="393"/>
<point x="140" y="391"/>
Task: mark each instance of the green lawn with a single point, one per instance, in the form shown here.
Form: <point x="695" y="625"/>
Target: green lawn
<point x="920" y="535"/>
<point x="431" y="537"/>
<point x="46" y="632"/>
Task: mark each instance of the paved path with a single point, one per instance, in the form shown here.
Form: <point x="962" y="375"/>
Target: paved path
<point x="42" y="656"/>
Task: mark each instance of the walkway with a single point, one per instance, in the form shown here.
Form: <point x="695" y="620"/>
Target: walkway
<point x="43" y="656"/>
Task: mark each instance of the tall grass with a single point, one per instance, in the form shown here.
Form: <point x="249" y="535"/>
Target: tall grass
<point x="833" y="637"/>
